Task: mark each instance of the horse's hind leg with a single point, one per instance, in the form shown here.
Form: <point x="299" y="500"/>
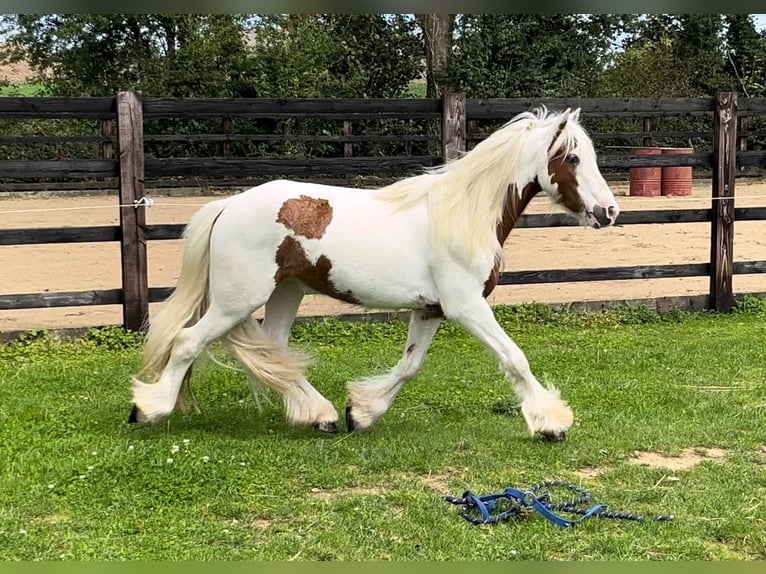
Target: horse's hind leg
<point x="370" y="398"/>
<point x="304" y="405"/>
<point x="153" y="402"/>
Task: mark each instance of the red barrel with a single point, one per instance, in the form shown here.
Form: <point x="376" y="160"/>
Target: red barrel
<point x="677" y="180"/>
<point x="646" y="181"/>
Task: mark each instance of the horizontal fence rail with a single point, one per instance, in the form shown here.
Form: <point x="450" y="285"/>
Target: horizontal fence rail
<point x="131" y="168"/>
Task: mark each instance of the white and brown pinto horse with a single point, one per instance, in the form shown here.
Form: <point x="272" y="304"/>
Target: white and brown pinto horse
<point x="431" y="243"/>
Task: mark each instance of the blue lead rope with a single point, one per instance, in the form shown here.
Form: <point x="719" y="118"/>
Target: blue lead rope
<point x="484" y="509"/>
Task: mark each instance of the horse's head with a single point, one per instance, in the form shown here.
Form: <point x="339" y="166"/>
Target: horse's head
<point x="571" y="177"/>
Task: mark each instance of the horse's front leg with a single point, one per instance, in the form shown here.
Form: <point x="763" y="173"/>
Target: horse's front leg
<point x="544" y="411"/>
<point x="370" y="398"/>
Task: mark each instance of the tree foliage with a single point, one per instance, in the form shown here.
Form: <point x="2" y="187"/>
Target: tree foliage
<point x="539" y="55"/>
<point x="376" y="55"/>
<point x="160" y="54"/>
<point x="333" y="55"/>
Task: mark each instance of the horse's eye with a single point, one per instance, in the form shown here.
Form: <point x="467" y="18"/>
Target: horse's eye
<point x="573" y="159"/>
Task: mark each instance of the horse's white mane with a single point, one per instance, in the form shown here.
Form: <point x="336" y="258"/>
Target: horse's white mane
<point x="466" y="197"/>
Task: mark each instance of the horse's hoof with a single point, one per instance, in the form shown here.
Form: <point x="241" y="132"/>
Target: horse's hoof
<point x="327" y="427"/>
<point x="554" y="436"/>
<point x="349" y="420"/>
<point x="134" y="415"/>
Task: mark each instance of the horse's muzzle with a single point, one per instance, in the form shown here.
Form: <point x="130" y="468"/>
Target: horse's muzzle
<point x="602" y="217"/>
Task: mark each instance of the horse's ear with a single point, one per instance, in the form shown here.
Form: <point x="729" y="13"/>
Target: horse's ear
<point x="575" y="115"/>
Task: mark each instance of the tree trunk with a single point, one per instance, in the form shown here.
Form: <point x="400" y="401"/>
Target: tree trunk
<point x="437" y="35"/>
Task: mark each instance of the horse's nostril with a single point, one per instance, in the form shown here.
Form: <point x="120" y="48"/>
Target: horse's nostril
<point x="612" y="211"/>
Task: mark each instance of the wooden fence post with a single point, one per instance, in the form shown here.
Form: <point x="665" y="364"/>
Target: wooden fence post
<point x="648" y="127"/>
<point x="227" y="126"/>
<point x="453" y="125"/>
<point x="724" y="174"/>
<point x="742" y="133"/>
<point x="106" y="131"/>
<point x="348" y="147"/>
<point x="130" y="140"/>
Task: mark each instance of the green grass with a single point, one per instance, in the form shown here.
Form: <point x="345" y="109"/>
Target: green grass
<point x="78" y="482"/>
<point x="22" y="90"/>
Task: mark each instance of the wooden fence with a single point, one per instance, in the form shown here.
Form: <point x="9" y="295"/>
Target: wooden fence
<point x="132" y="168"/>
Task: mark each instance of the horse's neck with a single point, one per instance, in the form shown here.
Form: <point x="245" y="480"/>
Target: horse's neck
<point x="515" y="204"/>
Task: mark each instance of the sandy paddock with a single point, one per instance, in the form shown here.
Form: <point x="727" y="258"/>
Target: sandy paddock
<point x="87" y="266"/>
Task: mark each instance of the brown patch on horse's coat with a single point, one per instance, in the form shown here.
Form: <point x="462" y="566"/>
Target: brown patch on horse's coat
<point x="562" y="173"/>
<point x="515" y="204"/>
<point x="306" y="216"/>
<point x="293" y="263"/>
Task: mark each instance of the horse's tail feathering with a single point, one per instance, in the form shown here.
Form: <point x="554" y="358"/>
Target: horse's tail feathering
<point x="188" y="302"/>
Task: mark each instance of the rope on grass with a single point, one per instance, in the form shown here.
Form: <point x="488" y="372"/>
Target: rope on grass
<point x="499" y="507"/>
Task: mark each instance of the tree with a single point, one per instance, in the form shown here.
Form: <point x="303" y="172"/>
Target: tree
<point x="746" y="54"/>
<point x="437" y="30"/>
<point x="650" y="68"/>
<point x="516" y="55"/>
<point x="160" y="54"/>
<point x="333" y="55"/>
<point x="699" y="47"/>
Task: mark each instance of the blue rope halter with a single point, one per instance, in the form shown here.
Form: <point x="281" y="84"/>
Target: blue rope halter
<point x="486" y="509"/>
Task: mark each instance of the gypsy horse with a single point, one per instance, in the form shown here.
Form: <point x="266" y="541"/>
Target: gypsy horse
<point x="430" y="243"/>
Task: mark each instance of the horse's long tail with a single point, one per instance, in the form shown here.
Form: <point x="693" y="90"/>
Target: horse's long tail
<point x="188" y="302"/>
<point x="265" y="360"/>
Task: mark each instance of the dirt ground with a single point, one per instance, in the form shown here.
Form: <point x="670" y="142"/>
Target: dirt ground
<point x="87" y="266"/>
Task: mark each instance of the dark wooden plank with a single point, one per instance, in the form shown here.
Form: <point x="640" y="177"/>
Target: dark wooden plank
<point x="60" y="299"/>
<point x="316" y="108"/>
<point x="38" y="140"/>
<point x="135" y="282"/>
<point x="751" y="158"/>
<point x="159" y="294"/>
<point x="645" y="135"/>
<point x="591" y="107"/>
<point x="37" y="236"/>
<point x="57" y="108"/>
<point x="745" y="267"/>
<point x="478" y="136"/>
<point x="722" y="225"/>
<point x="604" y="274"/>
<point x="243" y="167"/>
<point x="289" y="138"/>
<point x="165" y="231"/>
<point x="751" y="106"/>
<point x="71" y="169"/>
<point x="697" y="159"/>
<point x="750" y="213"/>
<point x="453" y="126"/>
